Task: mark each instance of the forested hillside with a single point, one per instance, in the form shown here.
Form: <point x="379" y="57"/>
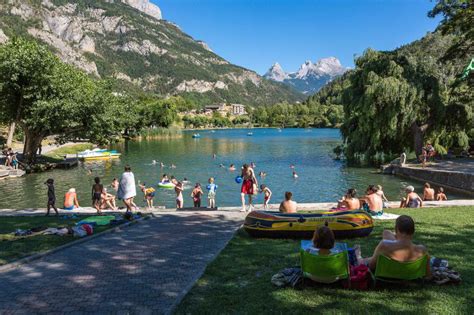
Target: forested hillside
<point x="136" y="51"/>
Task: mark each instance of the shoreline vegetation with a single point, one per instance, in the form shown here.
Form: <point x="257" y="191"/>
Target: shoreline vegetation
<point x="391" y="102"/>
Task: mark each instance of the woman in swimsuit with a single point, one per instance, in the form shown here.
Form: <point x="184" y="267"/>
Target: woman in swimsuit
<point x="412" y="199"/>
<point x="97" y="189"/>
<point x="249" y="186"/>
<point x="178" y="188"/>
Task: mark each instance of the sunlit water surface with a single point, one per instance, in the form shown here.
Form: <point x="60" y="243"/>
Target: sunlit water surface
<point x="321" y="178"/>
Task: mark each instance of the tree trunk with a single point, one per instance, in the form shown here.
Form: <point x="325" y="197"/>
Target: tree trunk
<point x="32" y="142"/>
<point x="11" y="132"/>
<point x="418" y="137"/>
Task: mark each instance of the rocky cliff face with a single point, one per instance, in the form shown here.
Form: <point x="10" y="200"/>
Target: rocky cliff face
<point x="310" y="77"/>
<point x="127" y="40"/>
<point x="146" y="7"/>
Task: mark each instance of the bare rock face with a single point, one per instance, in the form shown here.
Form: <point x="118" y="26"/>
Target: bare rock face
<point x="145" y="48"/>
<point x="146" y="7"/>
<point x="87" y="44"/>
<point x="66" y="52"/>
<point x="23" y="10"/>
<point x="3" y="37"/>
<point x="204" y="45"/>
<point x="200" y="86"/>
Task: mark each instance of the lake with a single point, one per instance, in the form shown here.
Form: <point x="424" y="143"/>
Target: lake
<point x="321" y="178"/>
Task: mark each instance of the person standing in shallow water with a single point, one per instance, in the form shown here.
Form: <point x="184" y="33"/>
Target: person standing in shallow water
<point x="249" y="186"/>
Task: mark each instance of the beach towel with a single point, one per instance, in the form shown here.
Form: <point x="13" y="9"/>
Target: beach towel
<point x="385" y="216"/>
<point x="97" y="220"/>
<point x="127" y="187"/>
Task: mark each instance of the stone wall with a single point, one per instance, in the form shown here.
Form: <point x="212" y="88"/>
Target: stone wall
<point x="462" y="182"/>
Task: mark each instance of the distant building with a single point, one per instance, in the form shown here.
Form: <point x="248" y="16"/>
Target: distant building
<point x="238" y="109"/>
<point x="233" y="109"/>
<point x="215" y="108"/>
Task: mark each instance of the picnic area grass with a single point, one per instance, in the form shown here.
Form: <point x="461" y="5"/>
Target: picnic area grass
<point x="59" y="153"/>
<point x="12" y="249"/>
<point x="238" y="280"/>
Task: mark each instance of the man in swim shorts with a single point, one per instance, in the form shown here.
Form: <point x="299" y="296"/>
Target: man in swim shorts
<point x="398" y="246"/>
<point x="249" y="186"/>
<point x="97" y="189"/>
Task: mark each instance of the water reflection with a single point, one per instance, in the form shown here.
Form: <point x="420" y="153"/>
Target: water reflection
<point x="320" y="177"/>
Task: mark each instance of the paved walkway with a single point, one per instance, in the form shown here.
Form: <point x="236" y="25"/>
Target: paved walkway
<point x="272" y="207"/>
<point x="143" y="269"/>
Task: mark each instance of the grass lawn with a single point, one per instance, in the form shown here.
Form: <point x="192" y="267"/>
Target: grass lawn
<point x="14" y="249"/>
<point x="69" y="149"/>
<point x="238" y="280"/>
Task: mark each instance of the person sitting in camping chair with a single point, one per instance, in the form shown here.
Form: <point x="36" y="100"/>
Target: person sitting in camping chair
<point x="398" y="246"/>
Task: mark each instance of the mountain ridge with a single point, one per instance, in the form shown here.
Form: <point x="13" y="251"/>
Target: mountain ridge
<point x="310" y="77"/>
<point x="138" y="50"/>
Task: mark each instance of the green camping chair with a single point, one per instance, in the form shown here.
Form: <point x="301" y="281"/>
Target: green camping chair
<point x="325" y="269"/>
<point x="391" y="270"/>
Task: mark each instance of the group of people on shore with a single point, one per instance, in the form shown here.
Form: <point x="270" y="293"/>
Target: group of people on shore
<point x="11" y="159"/>
<point x="374" y="200"/>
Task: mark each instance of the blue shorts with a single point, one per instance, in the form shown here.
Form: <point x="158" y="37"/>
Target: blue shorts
<point x="69" y="208"/>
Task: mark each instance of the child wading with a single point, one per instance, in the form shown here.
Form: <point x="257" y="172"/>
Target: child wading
<point x="51" y="196"/>
<point x="97" y="189"/>
<point x="267" y="194"/>
<point x="196" y="195"/>
<point x="149" y="195"/>
<point x="211" y="196"/>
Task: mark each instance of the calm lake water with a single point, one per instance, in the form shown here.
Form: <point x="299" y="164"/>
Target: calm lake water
<point x="321" y="179"/>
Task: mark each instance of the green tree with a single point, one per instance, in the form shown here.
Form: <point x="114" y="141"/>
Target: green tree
<point x="45" y="97"/>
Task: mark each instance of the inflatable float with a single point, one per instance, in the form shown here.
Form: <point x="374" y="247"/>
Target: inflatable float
<point x="344" y="224"/>
<point x="165" y="185"/>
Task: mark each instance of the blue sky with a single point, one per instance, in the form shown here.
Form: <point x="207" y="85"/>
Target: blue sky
<point x="256" y="33"/>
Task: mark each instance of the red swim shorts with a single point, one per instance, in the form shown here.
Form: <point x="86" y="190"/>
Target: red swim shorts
<point x="247" y="187"/>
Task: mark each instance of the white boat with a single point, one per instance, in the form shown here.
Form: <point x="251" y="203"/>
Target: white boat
<point x="98" y="154"/>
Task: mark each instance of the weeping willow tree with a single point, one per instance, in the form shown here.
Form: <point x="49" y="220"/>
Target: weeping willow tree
<point x="396" y="102"/>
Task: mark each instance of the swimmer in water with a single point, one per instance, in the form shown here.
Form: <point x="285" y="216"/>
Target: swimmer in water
<point x="162" y="164"/>
<point x="292" y="166"/>
<point x="153" y="162"/>
<point x="186" y="181"/>
<point x="214" y="156"/>
<point x="165" y="179"/>
<point x="295" y="175"/>
<point x="232" y="167"/>
<point x="253" y="165"/>
<point x="222" y="165"/>
<point x="173" y="166"/>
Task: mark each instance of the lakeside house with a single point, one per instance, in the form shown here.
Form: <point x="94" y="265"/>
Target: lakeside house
<point x="223" y="108"/>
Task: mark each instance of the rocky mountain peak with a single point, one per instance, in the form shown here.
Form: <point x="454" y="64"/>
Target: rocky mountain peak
<point x="310" y="76"/>
<point x="276" y="73"/>
<point x="146" y="7"/>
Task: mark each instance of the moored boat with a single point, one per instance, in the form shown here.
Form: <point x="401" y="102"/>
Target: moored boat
<point x="98" y="154"/>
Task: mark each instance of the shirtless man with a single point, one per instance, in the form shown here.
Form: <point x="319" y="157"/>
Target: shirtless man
<point x="373" y="200"/>
<point x="288" y="206"/>
<point x="428" y="193"/>
<point x="398" y="246"/>
<point x="349" y="201"/>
